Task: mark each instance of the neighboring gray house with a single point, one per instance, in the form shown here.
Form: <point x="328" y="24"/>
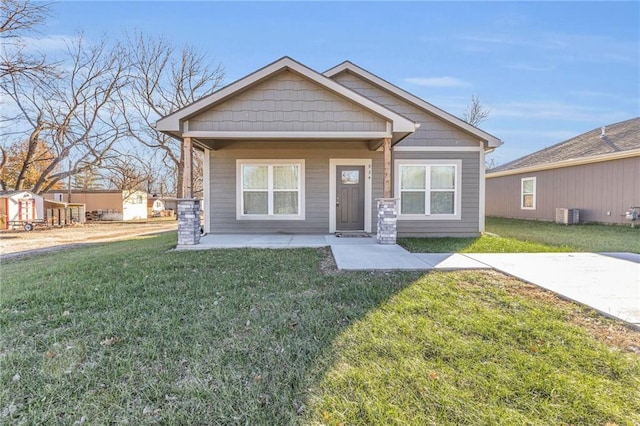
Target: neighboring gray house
<point x="291" y="150"/>
<point x="597" y="173"/>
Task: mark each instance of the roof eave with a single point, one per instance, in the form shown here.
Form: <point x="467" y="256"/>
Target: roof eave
<point x="566" y="163"/>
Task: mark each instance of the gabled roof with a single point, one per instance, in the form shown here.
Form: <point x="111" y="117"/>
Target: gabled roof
<point x="10" y="193"/>
<point x="172" y="123"/>
<point x="618" y="140"/>
<point x="489" y="140"/>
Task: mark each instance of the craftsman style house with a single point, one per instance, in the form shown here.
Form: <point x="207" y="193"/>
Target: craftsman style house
<point x="291" y="150"/>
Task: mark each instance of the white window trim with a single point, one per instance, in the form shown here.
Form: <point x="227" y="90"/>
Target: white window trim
<point x="522" y="194"/>
<point x="206" y="188"/>
<point x="333" y="163"/>
<point x="261" y="162"/>
<point x="457" y="196"/>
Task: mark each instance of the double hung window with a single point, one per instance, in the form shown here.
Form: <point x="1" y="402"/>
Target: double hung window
<point x="428" y="189"/>
<point x="528" y="193"/>
<point x="270" y="189"/>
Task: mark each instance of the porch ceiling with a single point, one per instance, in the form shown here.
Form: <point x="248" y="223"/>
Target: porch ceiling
<point x="373" y="141"/>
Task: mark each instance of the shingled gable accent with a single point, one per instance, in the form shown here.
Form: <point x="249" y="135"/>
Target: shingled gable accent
<point x="395" y="125"/>
<point x="490" y="142"/>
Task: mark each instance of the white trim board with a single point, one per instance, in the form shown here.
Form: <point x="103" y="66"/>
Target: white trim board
<point x="333" y="163"/>
<point x="482" y="193"/>
<point x="206" y="187"/>
<point x="258" y="135"/>
<point x="438" y="149"/>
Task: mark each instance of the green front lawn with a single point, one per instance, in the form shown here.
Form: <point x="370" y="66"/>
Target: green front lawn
<point x="131" y="332"/>
<point x="527" y="236"/>
<point x="584" y="237"/>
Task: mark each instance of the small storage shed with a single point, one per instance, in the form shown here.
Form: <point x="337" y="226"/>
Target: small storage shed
<point x="20" y="207"/>
<point x="59" y="213"/>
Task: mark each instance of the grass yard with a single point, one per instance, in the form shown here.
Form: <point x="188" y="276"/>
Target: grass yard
<point x="131" y="332"/>
<point x="528" y="236"/>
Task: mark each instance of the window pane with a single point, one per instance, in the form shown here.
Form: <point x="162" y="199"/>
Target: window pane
<point x="285" y="177"/>
<point x="412" y="203"/>
<point x="255" y="177"/>
<point x="285" y="202"/>
<point x="527" y="200"/>
<point x="255" y="203"/>
<point x="443" y="177"/>
<point x="412" y="177"/>
<point x="350" y="177"/>
<point x="442" y="203"/>
<point x="527" y="186"/>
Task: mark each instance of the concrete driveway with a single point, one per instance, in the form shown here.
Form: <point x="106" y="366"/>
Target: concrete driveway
<point x="608" y="282"/>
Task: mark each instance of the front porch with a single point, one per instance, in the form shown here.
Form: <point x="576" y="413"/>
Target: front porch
<point x="350" y="253"/>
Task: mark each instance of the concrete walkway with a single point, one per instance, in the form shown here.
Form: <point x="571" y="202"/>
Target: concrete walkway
<point x="608" y="282"/>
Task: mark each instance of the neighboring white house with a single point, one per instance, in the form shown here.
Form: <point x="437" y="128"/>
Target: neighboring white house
<point x="134" y="205"/>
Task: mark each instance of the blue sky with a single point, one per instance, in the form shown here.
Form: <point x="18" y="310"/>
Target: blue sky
<point x="547" y="70"/>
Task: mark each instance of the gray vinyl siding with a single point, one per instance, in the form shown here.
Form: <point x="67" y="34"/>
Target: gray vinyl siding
<point x="316" y="155"/>
<point x="433" y="131"/>
<point x="468" y="225"/>
<point x="287" y="102"/>
<point x="597" y="188"/>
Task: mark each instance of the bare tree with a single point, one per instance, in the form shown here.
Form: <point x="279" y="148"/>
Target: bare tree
<point x="128" y="172"/>
<point x="165" y="79"/>
<point x="475" y="113"/>
<point x="78" y="115"/>
<point x="17" y="19"/>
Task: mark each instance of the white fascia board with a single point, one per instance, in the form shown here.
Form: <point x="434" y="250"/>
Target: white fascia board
<point x="172" y="121"/>
<point x="489" y="140"/>
<point x="567" y="163"/>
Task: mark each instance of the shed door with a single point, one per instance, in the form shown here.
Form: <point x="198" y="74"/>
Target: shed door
<point x="26" y="209"/>
<point x="350" y="198"/>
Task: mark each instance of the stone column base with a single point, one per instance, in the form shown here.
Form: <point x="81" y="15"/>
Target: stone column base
<point x="387" y="220"/>
<point x="188" y="221"/>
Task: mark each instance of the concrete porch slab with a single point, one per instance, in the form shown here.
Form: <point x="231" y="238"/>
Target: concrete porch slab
<point x="222" y="241"/>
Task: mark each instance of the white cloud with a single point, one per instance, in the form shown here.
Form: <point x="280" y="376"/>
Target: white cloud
<point x="48" y="44"/>
<point x="529" y="67"/>
<point x="445" y="81"/>
<point x="567" y="47"/>
<point x="557" y="110"/>
<point x="553" y="135"/>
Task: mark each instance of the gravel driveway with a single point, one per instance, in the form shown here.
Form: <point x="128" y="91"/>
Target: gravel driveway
<point x="21" y="243"/>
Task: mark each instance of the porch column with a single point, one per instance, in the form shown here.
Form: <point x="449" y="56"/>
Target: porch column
<point x="187" y="168"/>
<point x="387" y="206"/>
<point x="188" y="207"/>
<point x="188" y="222"/>
<point x="386" y="183"/>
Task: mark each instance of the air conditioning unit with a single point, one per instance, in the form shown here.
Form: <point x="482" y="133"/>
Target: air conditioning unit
<point x="567" y="216"/>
